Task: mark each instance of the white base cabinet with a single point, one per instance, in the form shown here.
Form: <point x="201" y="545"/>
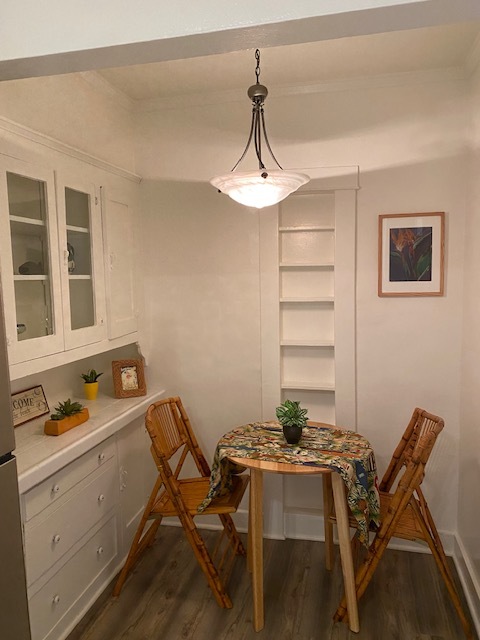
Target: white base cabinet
<point x="64" y="597"/>
<point x="78" y="525"/>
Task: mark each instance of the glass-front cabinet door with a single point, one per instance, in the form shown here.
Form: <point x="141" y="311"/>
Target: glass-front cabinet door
<point x="29" y="261"/>
<point x="80" y="232"/>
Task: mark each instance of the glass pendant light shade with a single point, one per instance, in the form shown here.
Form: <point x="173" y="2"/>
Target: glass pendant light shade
<point x="261" y="188"/>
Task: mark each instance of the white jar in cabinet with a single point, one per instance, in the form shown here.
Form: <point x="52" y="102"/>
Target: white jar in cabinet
<point x="81" y="255"/>
<point x="29" y="263"/>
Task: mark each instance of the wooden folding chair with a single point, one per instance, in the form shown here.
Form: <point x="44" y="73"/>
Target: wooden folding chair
<point x="405" y="513"/>
<point x="170" y="431"/>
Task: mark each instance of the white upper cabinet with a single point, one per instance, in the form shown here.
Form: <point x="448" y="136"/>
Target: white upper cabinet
<point x="81" y="257"/>
<point x="29" y="261"/>
<point x="122" y="278"/>
<point x="67" y="262"/>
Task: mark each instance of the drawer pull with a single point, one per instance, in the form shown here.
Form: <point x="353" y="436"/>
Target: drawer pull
<point x="56" y="599"/>
<point x="56" y="539"/>
<point x="99" y="551"/>
<point x="101" y="497"/>
<point x="101" y="457"/>
<point x="55" y="488"/>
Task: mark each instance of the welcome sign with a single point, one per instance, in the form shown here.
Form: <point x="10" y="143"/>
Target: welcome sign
<point x="28" y="404"/>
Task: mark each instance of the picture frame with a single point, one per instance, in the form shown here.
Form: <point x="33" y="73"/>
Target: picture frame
<point x="411" y="248"/>
<point x="28" y="404"/>
<point x="128" y="378"/>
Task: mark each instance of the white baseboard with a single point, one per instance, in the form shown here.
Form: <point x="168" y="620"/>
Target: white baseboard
<point x="470" y="581"/>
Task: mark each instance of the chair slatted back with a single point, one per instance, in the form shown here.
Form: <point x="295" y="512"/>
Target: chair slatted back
<point x="414" y="474"/>
<point x="421" y="423"/>
<point x="169" y="428"/>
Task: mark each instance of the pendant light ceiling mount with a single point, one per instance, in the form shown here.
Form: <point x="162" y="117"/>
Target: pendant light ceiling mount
<point x="261" y="188"/>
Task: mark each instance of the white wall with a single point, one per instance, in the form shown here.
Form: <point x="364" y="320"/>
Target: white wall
<point x="201" y="265"/>
<point x="408" y="142"/>
<point x="469" y="495"/>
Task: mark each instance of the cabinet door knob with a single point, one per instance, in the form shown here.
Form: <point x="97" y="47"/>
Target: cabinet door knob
<point x="56" y="488"/>
<point x="99" y="551"/>
<point x="101" y="457"/>
<point x="101" y="497"/>
<point x="123" y="479"/>
<point x="56" y="539"/>
<point x="56" y="599"/>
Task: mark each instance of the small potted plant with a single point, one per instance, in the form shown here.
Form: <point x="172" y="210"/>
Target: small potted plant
<point x="67" y="415"/>
<point x="292" y="418"/>
<point x="91" y="383"/>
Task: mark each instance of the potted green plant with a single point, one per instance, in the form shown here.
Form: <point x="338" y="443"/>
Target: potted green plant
<point x="67" y="415"/>
<point x="292" y="418"/>
<point x="91" y="383"/>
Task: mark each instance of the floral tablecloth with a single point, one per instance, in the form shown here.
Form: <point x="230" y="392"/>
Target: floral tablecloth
<point x="345" y="452"/>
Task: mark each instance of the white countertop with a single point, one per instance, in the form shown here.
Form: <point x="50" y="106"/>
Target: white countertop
<point x="38" y="455"/>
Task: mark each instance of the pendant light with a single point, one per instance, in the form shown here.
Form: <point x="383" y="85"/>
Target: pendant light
<point x="261" y="188"/>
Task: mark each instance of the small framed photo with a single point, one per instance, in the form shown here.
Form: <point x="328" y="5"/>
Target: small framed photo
<point x="411" y="250"/>
<point x="128" y="378"/>
<point x="28" y="405"/>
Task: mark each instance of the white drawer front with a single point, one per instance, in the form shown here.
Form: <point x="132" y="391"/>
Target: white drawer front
<point x="47" y="541"/>
<point x="50" y="604"/>
<point x="52" y="489"/>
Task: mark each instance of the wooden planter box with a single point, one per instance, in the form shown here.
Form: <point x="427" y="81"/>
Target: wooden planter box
<point x="57" y="427"/>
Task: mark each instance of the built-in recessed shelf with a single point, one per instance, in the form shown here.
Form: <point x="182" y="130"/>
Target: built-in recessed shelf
<point x="309" y="386"/>
<point x="308" y="300"/>
<point x="306" y="228"/>
<point x="306" y="265"/>
<point x="323" y="344"/>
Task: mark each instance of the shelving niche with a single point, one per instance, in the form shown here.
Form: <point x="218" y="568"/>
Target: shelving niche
<point x="306" y="298"/>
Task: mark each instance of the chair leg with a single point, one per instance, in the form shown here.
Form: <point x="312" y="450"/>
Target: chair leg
<point x="205" y="561"/>
<point x="328" y="526"/>
<point x="232" y="533"/>
<point x="139" y="543"/>
<point x="364" y="574"/>
<point x="433" y="539"/>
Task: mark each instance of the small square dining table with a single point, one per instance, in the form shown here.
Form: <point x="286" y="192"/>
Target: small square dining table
<point x="345" y="458"/>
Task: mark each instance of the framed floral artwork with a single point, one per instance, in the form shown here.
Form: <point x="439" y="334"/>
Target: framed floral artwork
<point x="128" y="378"/>
<point x="411" y="250"/>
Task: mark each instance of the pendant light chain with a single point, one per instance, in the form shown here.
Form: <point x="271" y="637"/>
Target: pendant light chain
<point x="258" y="109"/>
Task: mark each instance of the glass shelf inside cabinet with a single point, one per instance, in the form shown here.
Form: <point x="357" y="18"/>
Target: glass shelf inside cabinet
<point x="30" y="256"/>
<point x="79" y="243"/>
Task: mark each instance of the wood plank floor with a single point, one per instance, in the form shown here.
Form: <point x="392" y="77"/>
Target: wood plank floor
<point x="167" y="598"/>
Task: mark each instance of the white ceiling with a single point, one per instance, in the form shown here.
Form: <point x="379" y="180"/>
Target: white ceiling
<point x="302" y="64"/>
